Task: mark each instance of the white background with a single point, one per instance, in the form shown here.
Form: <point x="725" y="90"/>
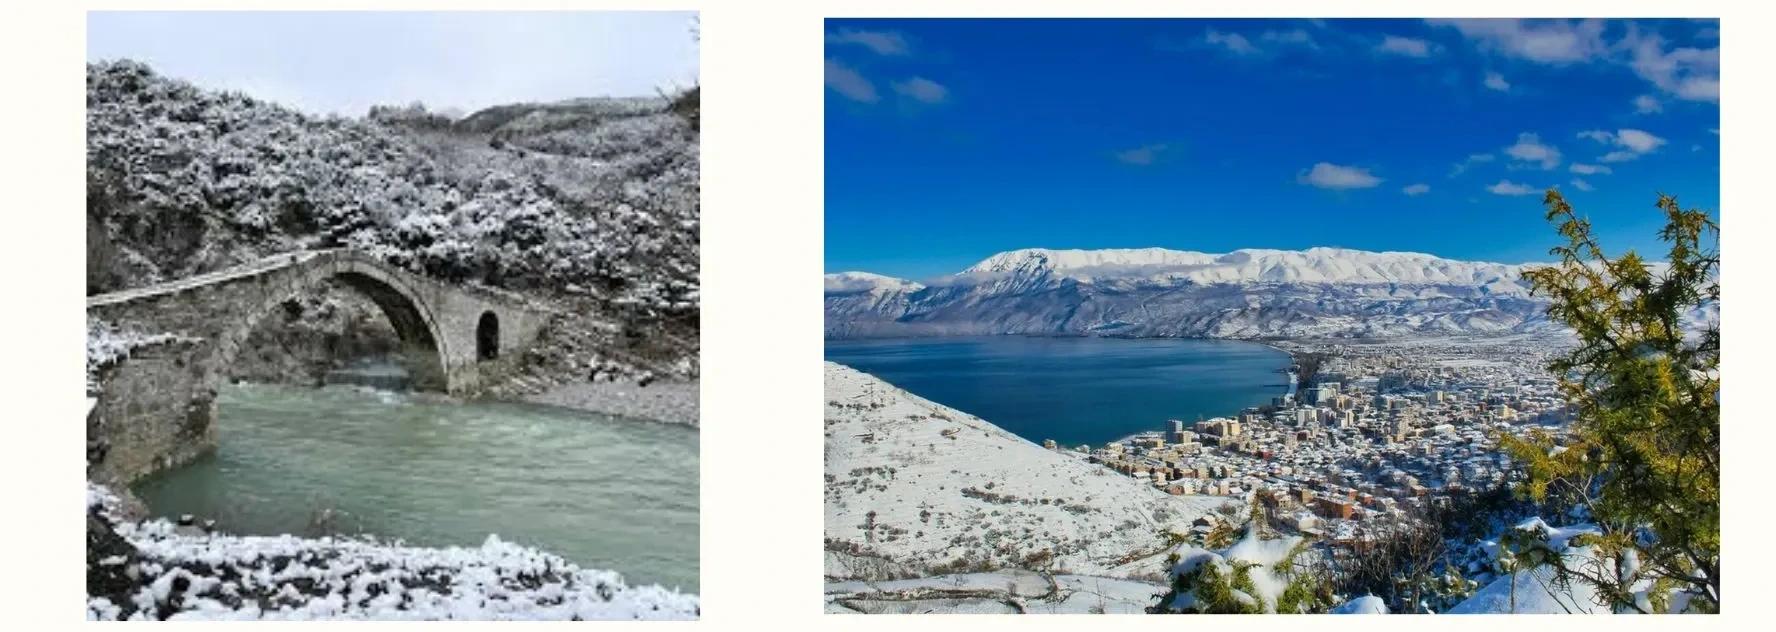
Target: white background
<point x="762" y="193"/>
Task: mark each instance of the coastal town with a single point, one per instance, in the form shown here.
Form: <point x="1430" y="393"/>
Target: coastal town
<point x="1377" y="432"/>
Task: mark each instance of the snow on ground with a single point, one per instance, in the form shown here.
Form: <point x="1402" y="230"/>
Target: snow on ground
<point x="1367" y="604"/>
<point x="933" y="489"/>
<point x="1009" y="591"/>
<point x="1535" y="591"/>
<point x="182" y="573"/>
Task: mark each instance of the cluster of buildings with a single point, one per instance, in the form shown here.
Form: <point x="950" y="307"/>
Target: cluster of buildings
<point x="1379" y="431"/>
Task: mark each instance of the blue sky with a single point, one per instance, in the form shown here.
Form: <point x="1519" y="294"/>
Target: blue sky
<point x="345" y="62"/>
<point x="950" y="140"/>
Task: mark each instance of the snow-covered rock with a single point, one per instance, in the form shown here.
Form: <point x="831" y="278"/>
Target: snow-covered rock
<point x="930" y="489"/>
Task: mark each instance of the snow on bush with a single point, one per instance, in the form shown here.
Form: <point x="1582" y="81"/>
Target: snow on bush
<point x="1253" y="575"/>
<point x="181" y="573"/>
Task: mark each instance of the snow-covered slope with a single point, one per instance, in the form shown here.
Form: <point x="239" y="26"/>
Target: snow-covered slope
<point x="1159" y="292"/>
<point x="914" y="488"/>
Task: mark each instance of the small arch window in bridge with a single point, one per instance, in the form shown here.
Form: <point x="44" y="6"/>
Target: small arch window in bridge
<point x="487" y="337"/>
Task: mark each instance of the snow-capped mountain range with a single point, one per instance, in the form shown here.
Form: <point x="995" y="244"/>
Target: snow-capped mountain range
<point x="1248" y="293"/>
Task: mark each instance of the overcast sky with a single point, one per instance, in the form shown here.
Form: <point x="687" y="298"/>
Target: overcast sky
<point x="345" y="62"/>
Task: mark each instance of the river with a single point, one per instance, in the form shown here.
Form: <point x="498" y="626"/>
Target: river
<point x="603" y="492"/>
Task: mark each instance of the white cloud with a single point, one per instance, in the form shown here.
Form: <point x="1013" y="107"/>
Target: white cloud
<point x="922" y="90"/>
<point x="1407" y="46"/>
<point x="1541" y="41"/>
<point x="1647" y="104"/>
<point x="1495" y="81"/>
<point x="1295" y="37"/>
<point x="1530" y="149"/>
<point x="1507" y="187"/>
<point x="1579" y="167"/>
<point x="1602" y="136"/>
<point x="1582" y="185"/>
<point x="879" y="42"/>
<point x="1415" y="190"/>
<point x="1691" y="74"/>
<point x="849" y="83"/>
<point x="1233" y="42"/>
<point x="1263" y="44"/>
<point x="1326" y="175"/>
<point x="1472" y="160"/>
<point x="1638" y="141"/>
<point x="1631" y="143"/>
<point x="1141" y="156"/>
<point x="1687" y="73"/>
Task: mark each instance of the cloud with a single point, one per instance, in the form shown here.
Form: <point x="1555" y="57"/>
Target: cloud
<point x="1233" y="42"/>
<point x="1263" y="44"/>
<point x="849" y="83"/>
<point x="1326" y="175"/>
<point x="1553" y="42"/>
<point x="1530" y="149"/>
<point x="966" y="279"/>
<point x="1495" y="81"/>
<point x="922" y="90"/>
<point x="1691" y="74"/>
<point x="1638" y="141"/>
<point x="1507" y="187"/>
<point x="1582" y="185"/>
<point x="1630" y="143"/>
<point x="1688" y="73"/>
<point x="1579" y="167"/>
<point x="1415" y="190"/>
<point x="1141" y="156"/>
<point x="1472" y="160"/>
<point x="1647" y="104"/>
<point x="1410" y="47"/>
<point x="1296" y="37"/>
<point x="880" y="42"/>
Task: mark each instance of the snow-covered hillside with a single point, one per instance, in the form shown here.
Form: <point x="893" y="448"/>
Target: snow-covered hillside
<point x="598" y="195"/>
<point x="916" y="488"/>
<point x="1157" y="292"/>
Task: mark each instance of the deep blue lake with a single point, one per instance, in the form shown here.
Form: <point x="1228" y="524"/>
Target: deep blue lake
<point x="1075" y="390"/>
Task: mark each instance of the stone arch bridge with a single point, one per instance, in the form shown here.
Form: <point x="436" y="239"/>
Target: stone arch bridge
<point x="156" y="409"/>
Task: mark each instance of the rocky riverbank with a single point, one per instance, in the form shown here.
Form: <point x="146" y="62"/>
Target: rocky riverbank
<point x="665" y="400"/>
<point x="147" y="570"/>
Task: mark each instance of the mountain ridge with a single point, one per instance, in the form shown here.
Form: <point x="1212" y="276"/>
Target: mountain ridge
<point x="1157" y="292"/>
